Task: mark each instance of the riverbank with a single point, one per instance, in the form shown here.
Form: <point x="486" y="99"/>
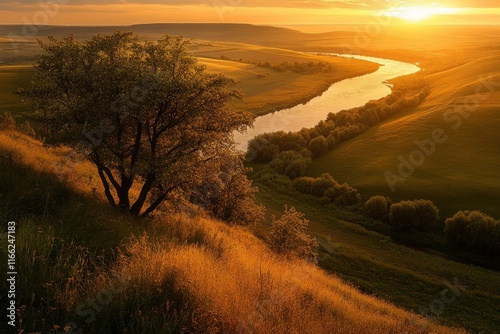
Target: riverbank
<point x="346" y="94"/>
<point x="267" y="76"/>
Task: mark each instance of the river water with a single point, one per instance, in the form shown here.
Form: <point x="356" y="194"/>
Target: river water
<point x="345" y="94"/>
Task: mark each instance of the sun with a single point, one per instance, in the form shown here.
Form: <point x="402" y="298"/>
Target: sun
<point x="417" y="14"/>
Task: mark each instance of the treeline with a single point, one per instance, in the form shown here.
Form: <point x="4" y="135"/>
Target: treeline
<point x="309" y="67"/>
<point x="469" y="230"/>
<point x="337" y="128"/>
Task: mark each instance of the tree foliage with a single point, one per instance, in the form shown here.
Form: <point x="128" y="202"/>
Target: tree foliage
<point x="227" y="194"/>
<point x="288" y="236"/>
<point x="152" y="117"/>
<point x="377" y="207"/>
<point x="474" y="230"/>
<point x="409" y="216"/>
<point x="328" y="189"/>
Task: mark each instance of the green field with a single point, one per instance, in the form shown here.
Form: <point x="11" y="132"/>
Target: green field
<point x="12" y="78"/>
<point x="463" y="172"/>
<point x="352" y="250"/>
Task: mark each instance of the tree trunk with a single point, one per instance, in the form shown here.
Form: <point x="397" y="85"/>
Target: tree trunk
<point x="146" y="188"/>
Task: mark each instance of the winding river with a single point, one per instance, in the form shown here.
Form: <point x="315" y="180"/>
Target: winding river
<point x="345" y="94"/>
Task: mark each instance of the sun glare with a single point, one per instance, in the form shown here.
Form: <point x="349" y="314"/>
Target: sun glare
<point x="416" y="14"/>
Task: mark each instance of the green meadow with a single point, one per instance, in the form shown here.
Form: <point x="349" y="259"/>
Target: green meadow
<point x="460" y="172"/>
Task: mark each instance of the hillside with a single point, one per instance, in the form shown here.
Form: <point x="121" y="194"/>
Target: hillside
<point x="179" y="272"/>
<point x="462" y="172"/>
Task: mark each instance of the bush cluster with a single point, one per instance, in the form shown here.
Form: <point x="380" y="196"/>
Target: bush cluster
<point x="309" y="67"/>
<point x="413" y="216"/>
<point x="291" y="163"/>
<point x="474" y="230"/>
<point x="329" y="190"/>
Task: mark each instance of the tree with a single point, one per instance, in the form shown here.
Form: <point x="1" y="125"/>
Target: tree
<point x="474" y="230"/>
<point x="403" y="216"/>
<point x="151" y="115"/>
<point x="318" y="146"/>
<point x="226" y="192"/>
<point x="377" y="207"/>
<point x="409" y="216"/>
<point x="289" y="236"/>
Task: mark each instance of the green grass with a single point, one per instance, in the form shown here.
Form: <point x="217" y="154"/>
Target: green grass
<point x="11" y="79"/>
<point x="352" y="249"/>
<point x="463" y="172"/>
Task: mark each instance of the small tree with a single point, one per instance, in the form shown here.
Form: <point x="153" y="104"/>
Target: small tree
<point x="427" y="215"/>
<point x="7" y="122"/>
<point x="318" y="146"/>
<point x="474" y="230"/>
<point x="377" y="207"/>
<point x="27" y="129"/>
<point x="403" y="216"/>
<point x="289" y="236"/>
<point x="226" y="192"/>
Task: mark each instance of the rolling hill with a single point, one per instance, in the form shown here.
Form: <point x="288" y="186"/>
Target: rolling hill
<point x="462" y="172"/>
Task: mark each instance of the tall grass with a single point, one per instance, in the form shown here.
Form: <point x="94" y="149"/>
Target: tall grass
<point x="82" y="265"/>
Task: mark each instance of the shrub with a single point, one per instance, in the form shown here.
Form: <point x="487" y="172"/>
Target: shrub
<point x="291" y="163"/>
<point x="7" y="122"/>
<point x="321" y="184"/>
<point x="328" y="189"/>
<point x="27" y="129"/>
<point x="409" y="216"/>
<point x="288" y="236"/>
<point x="403" y="216"/>
<point x="318" y="146"/>
<point x="227" y="194"/>
<point x="343" y="195"/>
<point x="377" y="207"/>
<point x="304" y="184"/>
<point x="473" y="230"/>
<point x="427" y="215"/>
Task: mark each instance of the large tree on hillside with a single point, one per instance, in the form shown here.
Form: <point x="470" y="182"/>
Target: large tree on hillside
<point x="150" y="117"/>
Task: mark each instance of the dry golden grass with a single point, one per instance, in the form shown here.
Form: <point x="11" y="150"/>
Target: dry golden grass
<point x="242" y="286"/>
<point x="228" y="279"/>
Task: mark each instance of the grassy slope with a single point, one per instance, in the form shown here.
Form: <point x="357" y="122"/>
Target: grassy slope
<point x="175" y="272"/>
<point x="462" y="174"/>
<point x="12" y="78"/>
<point x="413" y="279"/>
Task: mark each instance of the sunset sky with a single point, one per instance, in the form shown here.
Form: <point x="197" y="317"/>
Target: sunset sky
<point x="277" y="12"/>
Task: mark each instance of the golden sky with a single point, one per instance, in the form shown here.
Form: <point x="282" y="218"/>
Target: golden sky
<point x="273" y="12"/>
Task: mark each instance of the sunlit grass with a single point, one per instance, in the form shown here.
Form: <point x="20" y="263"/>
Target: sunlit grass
<point x="175" y="272"/>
